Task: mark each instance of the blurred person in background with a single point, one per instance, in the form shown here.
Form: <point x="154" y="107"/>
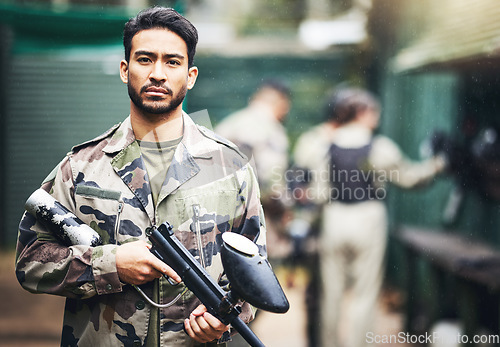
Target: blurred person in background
<point x="347" y="166"/>
<point x="155" y="166"/>
<point x="258" y="131"/>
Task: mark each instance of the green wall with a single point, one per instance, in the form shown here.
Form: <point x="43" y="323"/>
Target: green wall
<point x="54" y="101"/>
<point x="414" y="106"/>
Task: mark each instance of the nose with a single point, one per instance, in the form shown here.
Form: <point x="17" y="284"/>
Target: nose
<point x="158" y="72"/>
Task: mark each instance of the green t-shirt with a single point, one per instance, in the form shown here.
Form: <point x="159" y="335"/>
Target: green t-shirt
<point x="157" y="156"/>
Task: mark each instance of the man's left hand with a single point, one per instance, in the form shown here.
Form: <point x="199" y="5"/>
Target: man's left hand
<point x="203" y="327"/>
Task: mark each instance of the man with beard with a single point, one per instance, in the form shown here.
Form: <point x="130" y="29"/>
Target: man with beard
<point x="156" y="166"/>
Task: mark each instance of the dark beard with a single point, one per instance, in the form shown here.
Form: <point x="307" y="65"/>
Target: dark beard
<point x="155" y="107"/>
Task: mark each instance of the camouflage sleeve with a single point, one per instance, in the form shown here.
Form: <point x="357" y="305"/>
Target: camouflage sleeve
<point x="250" y="216"/>
<point x="44" y="265"/>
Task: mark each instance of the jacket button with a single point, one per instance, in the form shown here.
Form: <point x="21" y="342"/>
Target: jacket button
<point x="140" y="305"/>
<point x="109" y="287"/>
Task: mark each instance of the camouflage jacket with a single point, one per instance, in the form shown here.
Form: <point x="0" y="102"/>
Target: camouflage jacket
<point x="209" y="189"/>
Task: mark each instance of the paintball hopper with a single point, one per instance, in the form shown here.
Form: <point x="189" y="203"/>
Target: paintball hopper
<point x="59" y="220"/>
<point x="250" y="274"/>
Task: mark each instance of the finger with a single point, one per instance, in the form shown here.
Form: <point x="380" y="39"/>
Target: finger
<point x="189" y="329"/>
<point x="194" y="331"/>
<point x="215" y="323"/>
<point x="145" y="276"/>
<point x="155" y="274"/>
<point x="172" y="274"/>
<point x="165" y="269"/>
<point x="199" y="311"/>
<point x="206" y="330"/>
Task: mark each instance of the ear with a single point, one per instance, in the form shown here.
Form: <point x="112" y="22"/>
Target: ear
<point x="192" y="75"/>
<point x="124" y="71"/>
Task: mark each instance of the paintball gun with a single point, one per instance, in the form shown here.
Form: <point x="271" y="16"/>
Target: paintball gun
<point x="250" y="275"/>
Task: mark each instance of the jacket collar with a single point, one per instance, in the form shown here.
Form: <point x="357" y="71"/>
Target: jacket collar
<point x="193" y="139"/>
<point x="128" y="164"/>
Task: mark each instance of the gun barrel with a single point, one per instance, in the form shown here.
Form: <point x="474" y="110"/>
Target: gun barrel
<point x="246" y="333"/>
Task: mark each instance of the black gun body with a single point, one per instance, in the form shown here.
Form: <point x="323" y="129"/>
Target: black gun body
<point x="170" y="250"/>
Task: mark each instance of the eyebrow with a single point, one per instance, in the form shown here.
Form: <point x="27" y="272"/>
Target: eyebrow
<point x="151" y="54"/>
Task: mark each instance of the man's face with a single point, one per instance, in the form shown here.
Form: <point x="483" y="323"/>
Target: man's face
<point x="157" y="73"/>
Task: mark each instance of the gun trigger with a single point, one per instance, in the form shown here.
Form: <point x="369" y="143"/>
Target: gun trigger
<point x="171" y="281"/>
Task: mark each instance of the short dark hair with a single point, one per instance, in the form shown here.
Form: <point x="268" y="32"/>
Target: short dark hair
<point x="344" y="104"/>
<point x="163" y="18"/>
<point x="277" y="85"/>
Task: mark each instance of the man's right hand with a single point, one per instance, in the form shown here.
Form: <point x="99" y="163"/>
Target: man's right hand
<point x="137" y="265"/>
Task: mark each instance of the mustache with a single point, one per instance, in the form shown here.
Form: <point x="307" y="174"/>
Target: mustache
<point x="156" y="85"/>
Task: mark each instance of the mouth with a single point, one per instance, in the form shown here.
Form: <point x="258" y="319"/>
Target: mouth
<point x="156" y="91"/>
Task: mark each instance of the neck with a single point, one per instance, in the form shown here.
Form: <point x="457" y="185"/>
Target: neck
<point x="157" y="128"/>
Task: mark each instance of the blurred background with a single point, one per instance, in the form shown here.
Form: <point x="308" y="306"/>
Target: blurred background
<point x="434" y="64"/>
